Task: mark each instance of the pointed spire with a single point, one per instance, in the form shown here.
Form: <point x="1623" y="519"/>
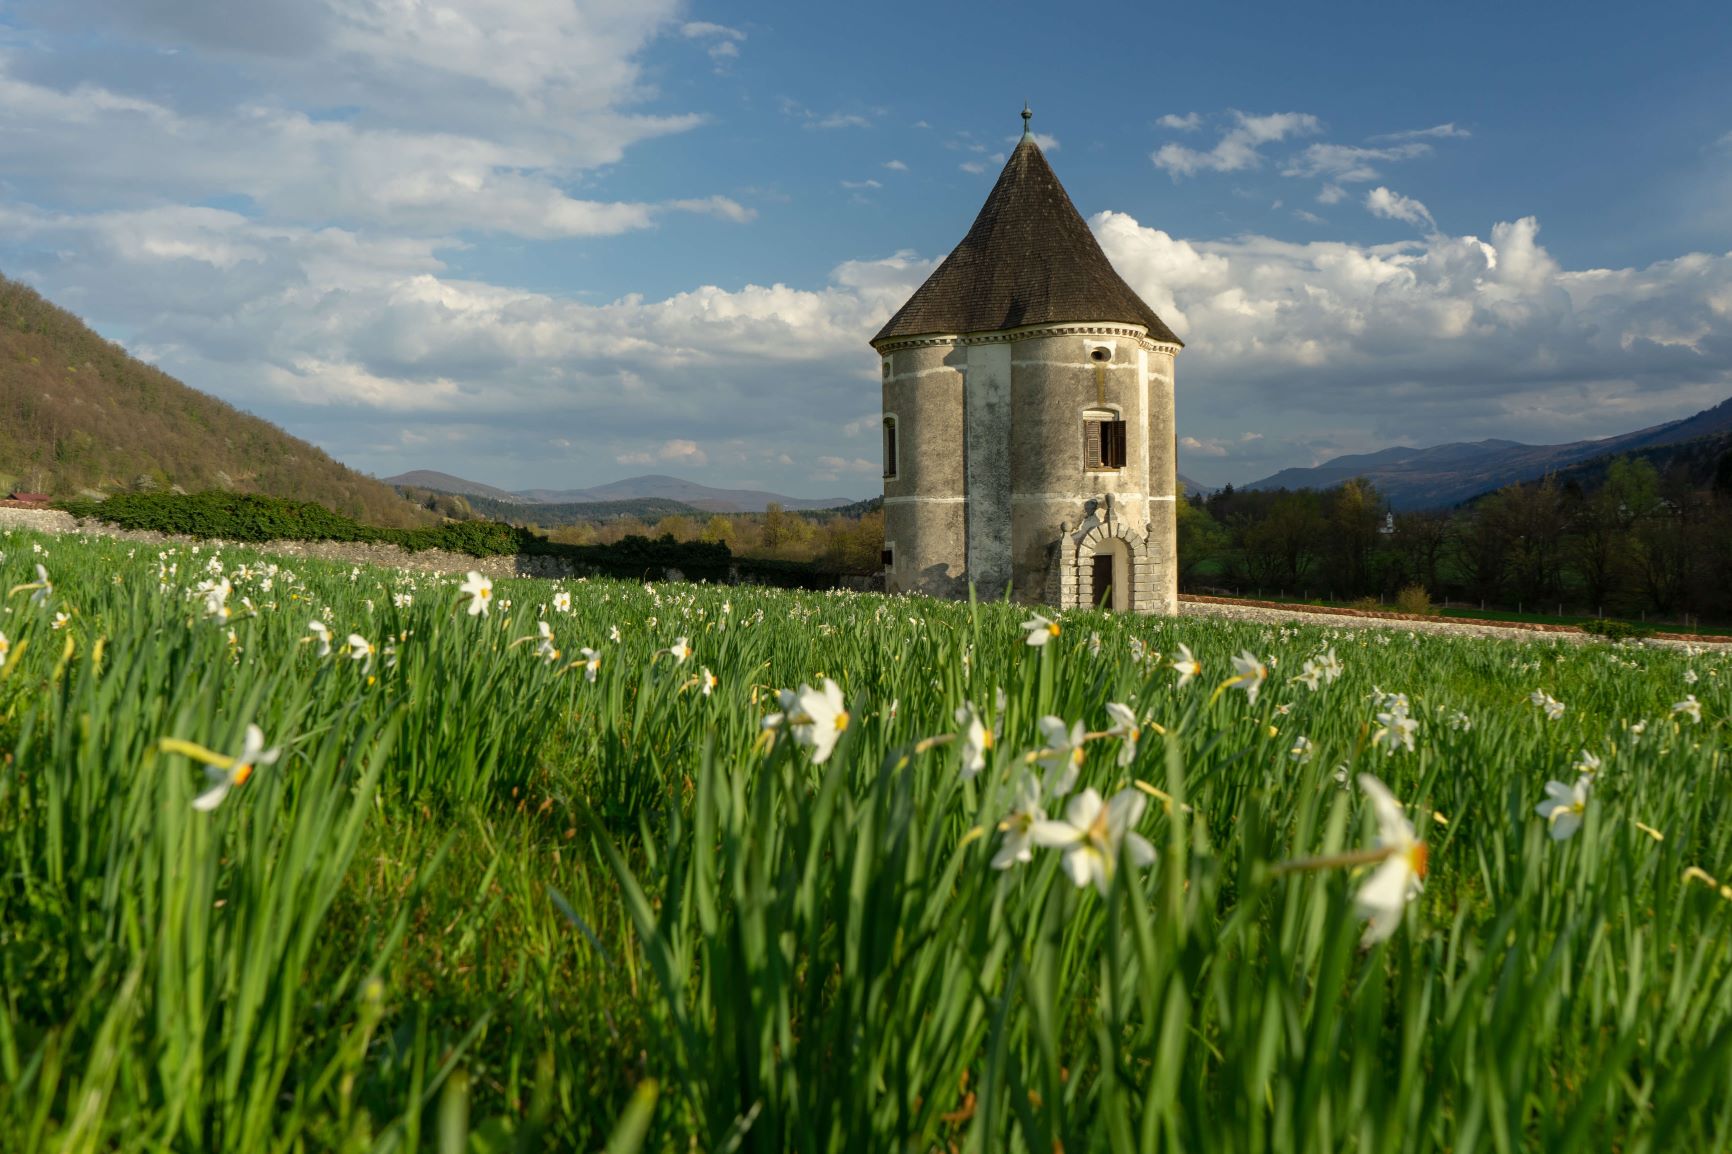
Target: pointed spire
<point x="1026" y="117"/>
<point x="1028" y="259"/>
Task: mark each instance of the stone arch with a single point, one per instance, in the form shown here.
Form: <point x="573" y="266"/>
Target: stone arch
<point x="1118" y="552"/>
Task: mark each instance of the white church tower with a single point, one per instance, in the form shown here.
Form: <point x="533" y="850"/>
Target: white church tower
<point x="1028" y="416"/>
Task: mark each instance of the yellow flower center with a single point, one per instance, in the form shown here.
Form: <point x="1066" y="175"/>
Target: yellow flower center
<point x="1052" y="628"/>
<point x="1417" y="858"/>
<point x="242" y="772"/>
<point x="841" y="722"/>
<point x="985" y="734"/>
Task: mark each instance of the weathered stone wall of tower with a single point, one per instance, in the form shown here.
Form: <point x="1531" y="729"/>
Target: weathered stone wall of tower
<point x="1055" y="385"/>
<point x="925" y="525"/>
<point x="987" y="398"/>
<point x="1163" y="482"/>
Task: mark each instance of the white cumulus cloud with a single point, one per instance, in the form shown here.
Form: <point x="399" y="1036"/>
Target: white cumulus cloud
<point x="1382" y="202"/>
<point x="1239" y="147"/>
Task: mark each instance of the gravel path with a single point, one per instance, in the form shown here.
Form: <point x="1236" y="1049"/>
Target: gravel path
<point x="1266" y="616"/>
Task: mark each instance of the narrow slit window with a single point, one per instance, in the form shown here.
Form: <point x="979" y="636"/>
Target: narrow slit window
<point x="889" y="448"/>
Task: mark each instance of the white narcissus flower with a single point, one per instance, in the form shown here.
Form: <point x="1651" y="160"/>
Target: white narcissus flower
<point x="1552" y="707"/>
<point x="613" y="633"/>
<point x="1092" y="833"/>
<point x="322" y="634"/>
<point x="1039" y="630"/>
<point x="707" y="681"/>
<point x="1587" y="764"/>
<point x="1690" y="707"/>
<point x="1187" y="665"/>
<point x="1302" y="750"/>
<point x="1124" y="727"/>
<point x="1249" y="675"/>
<point x="562" y="601"/>
<point x="223" y="778"/>
<point x="815" y="717"/>
<point x="60" y="620"/>
<point x="360" y="649"/>
<point x="1018" y="845"/>
<point x="478" y="591"/>
<point x="402" y="600"/>
<point x="977" y="740"/>
<point x="545" y="648"/>
<point x="44" y="588"/>
<point x="1063" y="755"/>
<point x="1396" y="730"/>
<point x="1565" y="806"/>
<point x="680" y="650"/>
<point x="5" y="647"/>
<point x="822" y="719"/>
<point x="1327" y="665"/>
<point x="216" y="596"/>
<point x="591" y="662"/>
<point x="1400" y="877"/>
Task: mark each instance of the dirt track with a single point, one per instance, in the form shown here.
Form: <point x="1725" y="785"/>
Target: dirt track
<point x="1276" y="612"/>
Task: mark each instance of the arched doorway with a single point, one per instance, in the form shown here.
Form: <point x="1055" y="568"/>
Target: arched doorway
<point x="1109" y="575"/>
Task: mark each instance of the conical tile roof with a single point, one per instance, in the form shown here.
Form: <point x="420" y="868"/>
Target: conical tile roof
<point x="1029" y="259"/>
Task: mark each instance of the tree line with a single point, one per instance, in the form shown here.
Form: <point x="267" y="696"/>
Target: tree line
<point x="1638" y="542"/>
<point x="837" y="542"/>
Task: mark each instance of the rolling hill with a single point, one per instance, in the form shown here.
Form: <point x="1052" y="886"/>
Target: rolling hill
<point x="78" y="413"/>
<point x="1444" y="475"/>
<point x="652" y="487"/>
<point x="687" y="492"/>
<point x="446" y="483"/>
<point x="552" y="515"/>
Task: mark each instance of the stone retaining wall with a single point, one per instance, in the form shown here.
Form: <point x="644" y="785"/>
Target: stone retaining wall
<point x="341" y="552"/>
<point x="41" y="520"/>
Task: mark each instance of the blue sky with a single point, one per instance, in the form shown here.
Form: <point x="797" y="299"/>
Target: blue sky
<point x="554" y="242"/>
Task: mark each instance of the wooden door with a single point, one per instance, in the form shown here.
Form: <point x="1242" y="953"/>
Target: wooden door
<point x="1103" y="581"/>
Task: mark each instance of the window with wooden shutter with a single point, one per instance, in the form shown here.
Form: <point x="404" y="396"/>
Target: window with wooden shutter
<point x="1112" y="444"/>
<point x="1103" y="440"/>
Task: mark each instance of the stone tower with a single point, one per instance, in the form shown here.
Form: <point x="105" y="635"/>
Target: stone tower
<point x="1028" y="416"/>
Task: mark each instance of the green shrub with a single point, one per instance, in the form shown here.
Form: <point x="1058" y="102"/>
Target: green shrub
<point x="253" y="519"/>
<point x="1616" y="630"/>
<point x="1415" y="600"/>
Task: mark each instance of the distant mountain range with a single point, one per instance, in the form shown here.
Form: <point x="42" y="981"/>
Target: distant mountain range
<point x="1194" y="488"/>
<point x="1445" y="475"/>
<point x="652" y="487"/>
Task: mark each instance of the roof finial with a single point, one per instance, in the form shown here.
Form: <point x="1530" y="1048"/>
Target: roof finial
<point x="1026" y="117"/>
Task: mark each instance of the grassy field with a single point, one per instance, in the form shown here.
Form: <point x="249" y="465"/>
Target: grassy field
<point x="473" y="888"/>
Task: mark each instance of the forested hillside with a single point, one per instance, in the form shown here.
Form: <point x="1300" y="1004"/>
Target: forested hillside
<point x="77" y="412"/>
<point x="1648" y="533"/>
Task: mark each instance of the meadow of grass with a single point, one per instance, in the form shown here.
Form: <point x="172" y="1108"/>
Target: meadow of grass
<point x="495" y="892"/>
